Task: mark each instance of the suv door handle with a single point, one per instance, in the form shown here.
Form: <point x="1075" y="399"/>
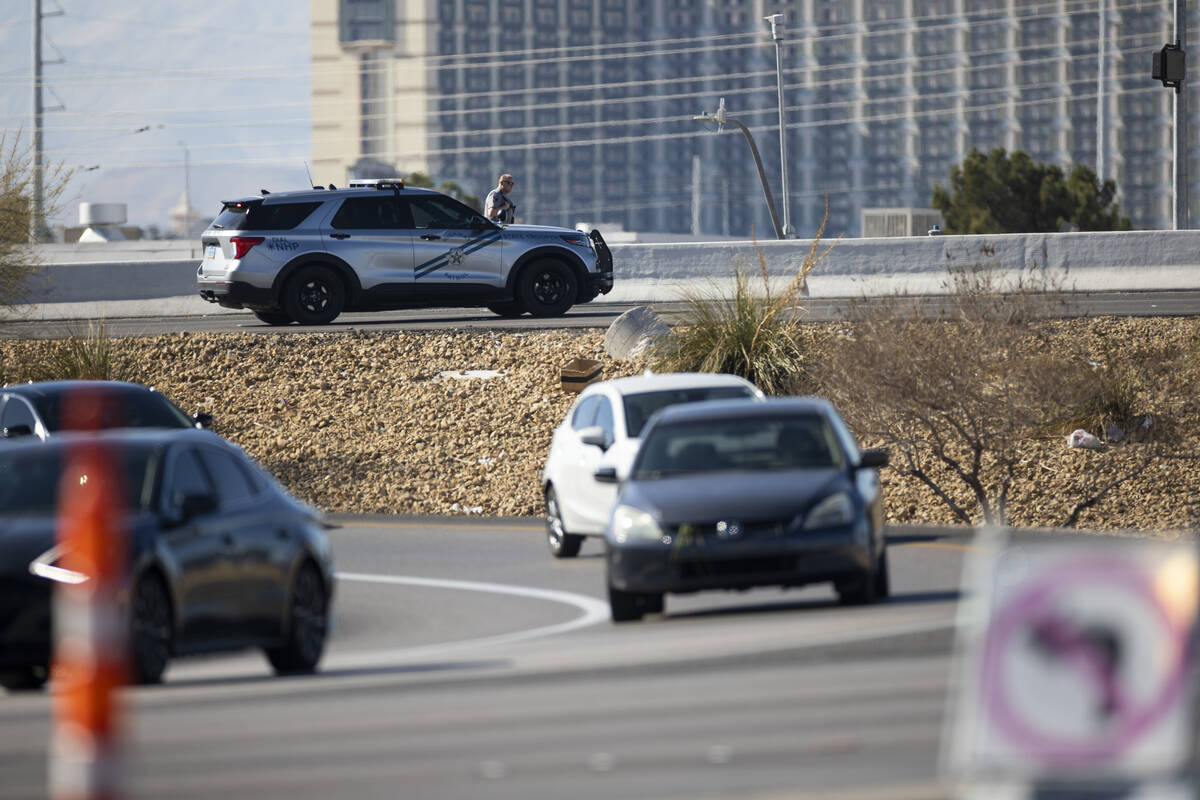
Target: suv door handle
<point x="339" y="235"/>
<point x="429" y="237"/>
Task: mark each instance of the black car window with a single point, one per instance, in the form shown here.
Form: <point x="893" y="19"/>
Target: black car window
<point x="639" y="407"/>
<point x="111" y="406"/>
<point x="16" y="412"/>
<point x="186" y="477"/>
<point x="234" y="484"/>
<point x="30" y="480"/>
<point x="369" y="213"/>
<point x="585" y="412"/>
<point x="279" y="216"/>
<point x="441" y="212"/>
<point x="754" y="443"/>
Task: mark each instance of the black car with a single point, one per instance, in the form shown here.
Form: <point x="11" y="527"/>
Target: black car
<point x="220" y="556"/>
<point x="47" y="407"/>
<point x="741" y="493"/>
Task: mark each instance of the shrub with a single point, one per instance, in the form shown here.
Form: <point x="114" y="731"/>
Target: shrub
<point x="754" y="333"/>
<point x="90" y="355"/>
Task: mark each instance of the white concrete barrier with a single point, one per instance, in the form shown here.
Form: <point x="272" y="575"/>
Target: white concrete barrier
<point x="158" y="278"/>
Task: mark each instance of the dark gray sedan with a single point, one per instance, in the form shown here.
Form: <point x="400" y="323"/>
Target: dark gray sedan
<point x="220" y="556"/>
<point x="737" y="494"/>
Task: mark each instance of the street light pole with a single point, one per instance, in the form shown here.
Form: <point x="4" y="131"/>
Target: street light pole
<point x="776" y="21"/>
<point x="719" y="119"/>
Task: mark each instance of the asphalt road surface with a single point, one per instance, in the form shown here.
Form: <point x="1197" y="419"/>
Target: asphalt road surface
<point x="591" y="315"/>
<point x="468" y="663"/>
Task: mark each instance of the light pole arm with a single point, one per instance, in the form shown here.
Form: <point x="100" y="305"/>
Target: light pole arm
<point x="762" y="176"/>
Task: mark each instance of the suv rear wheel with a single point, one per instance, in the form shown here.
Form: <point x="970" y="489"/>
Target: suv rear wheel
<point x="547" y="288"/>
<point x="314" y="296"/>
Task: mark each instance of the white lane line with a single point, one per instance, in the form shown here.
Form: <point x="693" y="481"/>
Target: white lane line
<point x="594" y="612"/>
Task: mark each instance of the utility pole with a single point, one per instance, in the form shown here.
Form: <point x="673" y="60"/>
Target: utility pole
<point x="1101" y="90"/>
<point x="776" y="21"/>
<point x="36" y="212"/>
<point x="1182" y="220"/>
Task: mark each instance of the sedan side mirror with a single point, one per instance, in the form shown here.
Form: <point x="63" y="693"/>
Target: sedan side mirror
<point x="607" y="475"/>
<point x="874" y="459"/>
<point x="17" y="430"/>
<point x="595" y="435"/>
<point x="194" y="505"/>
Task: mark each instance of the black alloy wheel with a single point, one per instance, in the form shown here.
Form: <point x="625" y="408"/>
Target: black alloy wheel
<point x="314" y="296"/>
<point x="307" y="625"/>
<point x="562" y="544"/>
<point x="273" y="317"/>
<point x="24" y="679"/>
<point x="150" y="630"/>
<point x="548" y="288"/>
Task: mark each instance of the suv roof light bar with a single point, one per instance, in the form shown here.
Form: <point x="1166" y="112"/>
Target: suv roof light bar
<point x="377" y="183"/>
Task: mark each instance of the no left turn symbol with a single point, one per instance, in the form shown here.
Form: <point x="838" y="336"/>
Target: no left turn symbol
<point x="1084" y="662"/>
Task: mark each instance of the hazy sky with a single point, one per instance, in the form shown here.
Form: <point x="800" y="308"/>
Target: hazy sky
<point x="141" y="80"/>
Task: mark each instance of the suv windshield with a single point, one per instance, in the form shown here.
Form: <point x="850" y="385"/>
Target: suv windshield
<point x="754" y="443"/>
<point x="113" y="407"/>
<point x="639" y="407"/>
<point x="30" y="479"/>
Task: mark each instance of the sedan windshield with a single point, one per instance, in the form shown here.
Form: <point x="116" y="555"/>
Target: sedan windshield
<point x="639" y="407"/>
<point x="112" y="407"/>
<point x="30" y="479"/>
<point x="754" y="443"/>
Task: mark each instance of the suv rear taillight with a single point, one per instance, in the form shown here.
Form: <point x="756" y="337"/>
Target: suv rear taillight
<point x="242" y="245"/>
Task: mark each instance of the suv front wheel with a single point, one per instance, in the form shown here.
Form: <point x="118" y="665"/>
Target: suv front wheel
<point x="547" y="288"/>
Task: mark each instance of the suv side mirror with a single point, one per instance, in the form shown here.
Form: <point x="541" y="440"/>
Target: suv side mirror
<point x="17" y="431"/>
<point x="874" y="459"/>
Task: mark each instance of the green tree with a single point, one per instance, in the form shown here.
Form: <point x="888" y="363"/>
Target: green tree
<point x="999" y="193"/>
<point x="451" y="188"/>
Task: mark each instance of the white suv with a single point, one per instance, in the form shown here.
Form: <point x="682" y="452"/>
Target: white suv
<point x="307" y="256"/>
<point x="601" y="431"/>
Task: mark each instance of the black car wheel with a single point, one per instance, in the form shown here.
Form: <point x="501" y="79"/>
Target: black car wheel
<point x="150" y="630"/>
<point x="562" y="544"/>
<point x="861" y="589"/>
<point x="273" y="317"/>
<point x="314" y="296"/>
<point x="307" y="624"/>
<point x="632" y="606"/>
<point x="547" y="288"/>
<point x="509" y="309"/>
<point x="24" y="679"/>
<point x="883" y="580"/>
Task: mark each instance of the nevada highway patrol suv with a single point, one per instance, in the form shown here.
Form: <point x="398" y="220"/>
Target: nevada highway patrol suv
<point x="307" y="256"/>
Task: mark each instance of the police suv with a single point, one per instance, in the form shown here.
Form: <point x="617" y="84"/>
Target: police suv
<point x="307" y="256"/>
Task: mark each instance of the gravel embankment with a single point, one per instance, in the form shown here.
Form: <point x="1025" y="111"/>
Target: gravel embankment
<point x="368" y="422"/>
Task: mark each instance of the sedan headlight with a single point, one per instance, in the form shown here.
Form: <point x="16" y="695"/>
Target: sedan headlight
<point x="832" y="511"/>
<point x="633" y="524"/>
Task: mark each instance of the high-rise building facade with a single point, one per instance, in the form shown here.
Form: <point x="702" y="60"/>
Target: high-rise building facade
<point x="590" y="103"/>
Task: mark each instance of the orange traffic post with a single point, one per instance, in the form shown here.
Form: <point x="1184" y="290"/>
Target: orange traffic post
<point x="89" y="631"/>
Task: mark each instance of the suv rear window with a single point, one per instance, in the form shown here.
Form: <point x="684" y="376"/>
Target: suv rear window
<point x="263" y="217"/>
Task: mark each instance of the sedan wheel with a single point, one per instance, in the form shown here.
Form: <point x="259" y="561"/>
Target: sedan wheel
<point x="562" y="544"/>
<point x="24" y="679"/>
<point x="307" y="624"/>
<point x="632" y="606"/>
<point x="150" y="632"/>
